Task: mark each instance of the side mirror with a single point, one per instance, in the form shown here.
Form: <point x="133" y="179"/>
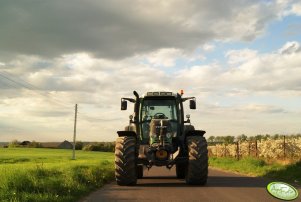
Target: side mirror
<point x="124" y="105"/>
<point x="192" y="104"/>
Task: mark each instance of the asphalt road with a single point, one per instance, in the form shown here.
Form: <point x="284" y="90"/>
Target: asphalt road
<point x="160" y="184"/>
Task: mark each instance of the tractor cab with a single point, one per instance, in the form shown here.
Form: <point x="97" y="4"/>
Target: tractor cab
<point x="156" y="116"/>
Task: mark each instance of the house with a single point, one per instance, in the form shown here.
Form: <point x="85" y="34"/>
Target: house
<point x="25" y="143"/>
<point x="65" y="145"/>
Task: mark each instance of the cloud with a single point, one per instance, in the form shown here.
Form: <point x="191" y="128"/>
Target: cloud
<point x="97" y="84"/>
<point x="290" y="47"/>
<point x="267" y="72"/>
<point x="295" y="9"/>
<point x="114" y="29"/>
<point x="239" y="56"/>
<point x="208" y="47"/>
<point x="262" y="108"/>
<point x="83" y="73"/>
<point x="164" y="57"/>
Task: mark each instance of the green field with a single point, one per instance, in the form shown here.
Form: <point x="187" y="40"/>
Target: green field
<point x="32" y="174"/>
<point x="259" y="167"/>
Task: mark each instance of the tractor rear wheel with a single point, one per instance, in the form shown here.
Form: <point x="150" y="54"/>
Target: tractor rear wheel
<point x="125" y="161"/>
<point x="197" y="169"/>
<point x="139" y="172"/>
<point x="180" y="170"/>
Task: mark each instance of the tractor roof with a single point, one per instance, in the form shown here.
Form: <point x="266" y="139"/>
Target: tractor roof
<point x="159" y="93"/>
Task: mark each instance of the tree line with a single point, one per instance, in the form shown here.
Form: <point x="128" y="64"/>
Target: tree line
<point x="79" y="145"/>
<point x="231" y="139"/>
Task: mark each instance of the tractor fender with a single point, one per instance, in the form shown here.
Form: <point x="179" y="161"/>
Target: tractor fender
<point x="127" y="134"/>
<point x="188" y="128"/>
<point x="195" y="133"/>
<point x="190" y="131"/>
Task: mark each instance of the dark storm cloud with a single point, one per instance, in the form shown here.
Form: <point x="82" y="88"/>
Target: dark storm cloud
<point x="116" y="29"/>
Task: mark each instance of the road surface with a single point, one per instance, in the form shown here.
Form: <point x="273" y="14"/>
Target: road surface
<point x="160" y="184"/>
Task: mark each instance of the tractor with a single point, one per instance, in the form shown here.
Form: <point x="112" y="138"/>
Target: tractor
<point x="158" y="135"/>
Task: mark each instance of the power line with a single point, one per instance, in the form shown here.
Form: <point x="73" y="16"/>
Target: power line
<point x="30" y="87"/>
<point x="7" y="84"/>
<point x="9" y="79"/>
<point x="29" y="84"/>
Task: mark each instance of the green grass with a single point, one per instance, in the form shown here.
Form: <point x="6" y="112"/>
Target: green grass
<point x="259" y="167"/>
<point x="30" y="174"/>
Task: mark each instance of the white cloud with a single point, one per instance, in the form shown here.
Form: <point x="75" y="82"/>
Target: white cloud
<point x="239" y="56"/>
<point x="295" y="9"/>
<point x="290" y="47"/>
<point x="267" y="72"/>
<point x="164" y="57"/>
<point x="169" y="57"/>
<point x="262" y="108"/>
<point x="208" y="47"/>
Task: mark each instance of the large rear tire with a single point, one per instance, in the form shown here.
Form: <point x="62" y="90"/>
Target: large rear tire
<point x="197" y="169"/>
<point x="180" y="170"/>
<point x="125" y="161"/>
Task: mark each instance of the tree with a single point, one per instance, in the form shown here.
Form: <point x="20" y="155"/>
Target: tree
<point x="229" y="139"/>
<point x="79" y="145"/>
<point x="267" y="136"/>
<point x="219" y="139"/>
<point x="241" y="138"/>
<point x="211" y="139"/>
<point x="276" y="136"/>
<point x="258" y="137"/>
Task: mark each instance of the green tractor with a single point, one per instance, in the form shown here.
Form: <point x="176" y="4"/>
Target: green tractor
<point x="158" y="135"/>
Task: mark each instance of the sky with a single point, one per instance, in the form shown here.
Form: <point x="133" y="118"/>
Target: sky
<point x="241" y="59"/>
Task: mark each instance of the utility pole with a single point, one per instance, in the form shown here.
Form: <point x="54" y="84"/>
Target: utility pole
<point x="74" y="132"/>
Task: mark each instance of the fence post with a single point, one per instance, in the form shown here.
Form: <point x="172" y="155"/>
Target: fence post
<point x="225" y="153"/>
<point x="237" y="150"/>
<point x="215" y="149"/>
<point x="284" y="146"/>
<point x="256" y="149"/>
<point x="249" y="145"/>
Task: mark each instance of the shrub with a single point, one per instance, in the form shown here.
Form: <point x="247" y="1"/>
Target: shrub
<point x="102" y="146"/>
<point x="35" y="144"/>
<point x="14" y="143"/>
<point x="79" y="145"/>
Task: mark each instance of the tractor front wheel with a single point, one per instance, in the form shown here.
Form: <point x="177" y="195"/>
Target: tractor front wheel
<point x="197" y="169"/>
<point x="125" y="161"/>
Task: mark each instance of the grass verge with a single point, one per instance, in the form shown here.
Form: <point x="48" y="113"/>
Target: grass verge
<point x="51" y="175"/>
<point x="259" y="167"/>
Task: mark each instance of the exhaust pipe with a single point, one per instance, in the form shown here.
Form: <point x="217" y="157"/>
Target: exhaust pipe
<point x="136" y="94"/>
